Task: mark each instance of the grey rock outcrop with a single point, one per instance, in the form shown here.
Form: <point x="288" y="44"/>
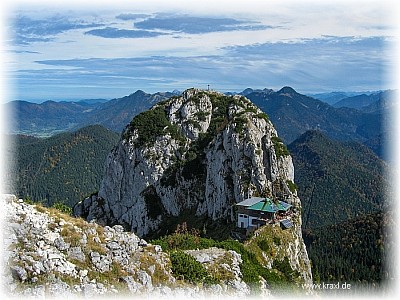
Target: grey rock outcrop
<point x="46" y="255"/>
<point x="224" y="262"/>
<point x="201" y="152"/>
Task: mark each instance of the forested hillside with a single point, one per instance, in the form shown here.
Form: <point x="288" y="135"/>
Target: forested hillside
<point x="352" y="251"/>
<point x="336" y="180"/>
<point x="62" y="168"/>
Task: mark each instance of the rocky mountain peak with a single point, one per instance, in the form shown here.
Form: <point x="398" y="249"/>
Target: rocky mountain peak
<point x="139" y="93"/>
<point x="247" y="91"/>
<point x="287" y="90"/>
<point x="196" y="155"/>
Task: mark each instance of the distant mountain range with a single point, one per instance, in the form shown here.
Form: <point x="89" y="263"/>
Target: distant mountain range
<point x="292" y="114"/>
<point x="334" y="97"/>
<point x="368" y="103"/>
<point x="47" y="118"/>
<point x="117" y="113"/>
<point x="51" y="117"/>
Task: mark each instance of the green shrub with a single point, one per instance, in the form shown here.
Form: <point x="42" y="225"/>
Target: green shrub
<point x="263" y="115"/>
<point x="202" y="115"/>
<point x="263" y="244"/>
<point x="291" y="185"/>
<point x="251" y="109"/>
<point x="241" y="124"/>
<point x="273" y="279"/>
<point x="153" y="123"/>
<point x="284" y="267"/>
<point x="184" y="241"/>
<point x="277" y="240"/>
<point x="62" y="207"/>
<point x="28" y="200"/>
<point x="250" y="267"/>
<point x="280" y="148"/>
<point x="250" y="273"/>
<point x="187" y="267"/>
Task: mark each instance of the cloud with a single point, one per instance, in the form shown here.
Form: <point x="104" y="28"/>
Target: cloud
<point x="326" y="63"/>
<point x="27" y="30"/>
<point x="157" y="26"/>
<point x="318" y="64"/>
<point x="111" y="32"/>
<point x="154" y="73"/>
<point x="130" y="16"/>
<point x="197" y="25"/>
<point x="25" y="51"/>
<point x="326" y="45"/>
<point x="20" y="39"/>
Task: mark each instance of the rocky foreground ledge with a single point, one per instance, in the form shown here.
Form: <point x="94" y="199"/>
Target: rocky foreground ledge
<point x="48" y="253"/>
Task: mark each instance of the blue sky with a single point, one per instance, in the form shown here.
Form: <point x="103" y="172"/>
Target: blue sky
<point x="70" y="52"/>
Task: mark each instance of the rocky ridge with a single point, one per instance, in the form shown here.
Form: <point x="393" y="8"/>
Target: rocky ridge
<point x="197" y="154"/>
<point x="48" y="253"/>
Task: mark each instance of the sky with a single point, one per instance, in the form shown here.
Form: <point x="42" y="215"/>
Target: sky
<point x="108" y="49"/>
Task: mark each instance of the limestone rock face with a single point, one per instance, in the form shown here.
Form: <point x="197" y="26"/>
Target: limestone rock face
<point x="201" y="153"/>
<point x="195" y="155"/>
<point x="49" y="254"/>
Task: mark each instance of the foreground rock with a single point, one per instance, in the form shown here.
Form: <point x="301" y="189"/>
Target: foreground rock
<point x="48" y="253"/>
